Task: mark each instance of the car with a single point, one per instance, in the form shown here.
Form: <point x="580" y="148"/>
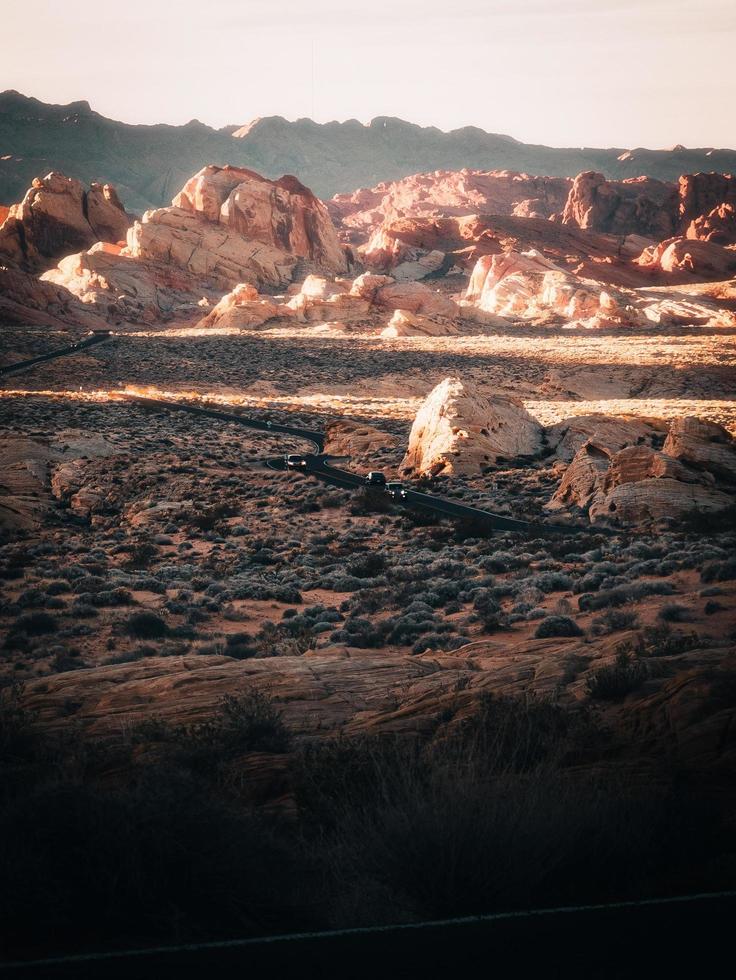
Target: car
<point x="375" y="479"/>
<point x="395" y="488"/>
<point x="296" y="461"/>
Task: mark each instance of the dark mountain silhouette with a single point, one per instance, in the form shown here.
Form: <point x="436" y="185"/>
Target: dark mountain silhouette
<point x="148" y="164"/>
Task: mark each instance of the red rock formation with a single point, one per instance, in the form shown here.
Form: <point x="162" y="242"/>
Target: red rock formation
<point x="122" y="288"/>
<point x="230" y="225"/>
<point x="58" y="216"/>
<point x="640" y="205"/>
<point x="460" y="431"/>
<point x="282" y="213"/>
<point x="26" y="300"/>
<point x="447" y="193"/>
<point x="699" y="194"/>
<point x="719" y="226"/>
<point x="694" y="472"/>
<point x="700" y="259"/>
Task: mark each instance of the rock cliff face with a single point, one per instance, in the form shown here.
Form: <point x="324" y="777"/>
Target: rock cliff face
<point x="639" y="206"/>
<point x="694" y="472"/>
<point x="700" y="193"/>
<point x="699" y="206"/>
<point x="231" y="225"/>
<point x="58" y="216"/>
<point x="460" y="431"/>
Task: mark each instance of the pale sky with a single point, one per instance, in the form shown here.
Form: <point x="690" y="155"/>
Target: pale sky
<point x="563" y="72"/>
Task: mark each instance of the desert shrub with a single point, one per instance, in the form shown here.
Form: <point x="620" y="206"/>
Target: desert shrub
<point x="367" y="566"/>
<point x="623" y="595"/>
<point x="673" y="612"/>
<point x="713" y="606"/>
<point x="552" y="581"/>
<point x="614" y="620"/>
<point x="660" y="641"/>
<point x="140" y="555"/>
<point x="615" y="681"/>
<point x="145" y="626"/>
<point x="35" y="624"/>
<point x="243" y="723"/>
<point x="290" y="638"/>
<point x="557" y="626"/>
<point x="719" y="571"/>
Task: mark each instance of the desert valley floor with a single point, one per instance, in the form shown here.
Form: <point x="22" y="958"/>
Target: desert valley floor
<point x="341" y="710"/>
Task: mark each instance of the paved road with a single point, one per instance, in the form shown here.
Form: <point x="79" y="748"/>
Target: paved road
<point x="95" y="337"/>
<point x="671" y="938"/>
<point x="317" y="464"/>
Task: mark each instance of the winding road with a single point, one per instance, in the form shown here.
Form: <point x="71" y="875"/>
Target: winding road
<point x="317" y="464"/>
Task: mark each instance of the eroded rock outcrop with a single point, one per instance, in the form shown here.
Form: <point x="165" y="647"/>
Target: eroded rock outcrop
<point x="529" y="286"/>
<point x="694" y="472"/>
<point x="119" y="287"/>
<point x="608" y="431"/>
<point x="58" y="216"/>
<point x="231" y="225"/>
<point x="414" y="297"/>
<point x="718" y="226"/>
<point x="26" y="300"/>
<point x="460" y="431"/>
<point x="640" y="205"/>
<point x="704" y="259"/>
<point x="405" y="324"/>
<point x="699" y="194"/>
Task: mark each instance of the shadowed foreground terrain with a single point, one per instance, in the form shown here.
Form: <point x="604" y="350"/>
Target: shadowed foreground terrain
<point x="238" y="701"/>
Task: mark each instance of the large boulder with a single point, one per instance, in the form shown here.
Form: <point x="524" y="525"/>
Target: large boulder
<point x="244" y="307"/>
<point x="58" y="216"/>
<point x="416" y="298"/>
<point x="460" y="431"/>
<point x="232" y="225"/>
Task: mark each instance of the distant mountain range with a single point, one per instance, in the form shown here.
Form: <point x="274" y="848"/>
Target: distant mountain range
<point x="149" y="164"/>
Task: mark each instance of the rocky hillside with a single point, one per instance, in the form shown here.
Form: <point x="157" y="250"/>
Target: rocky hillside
<point x="148" y="164"/>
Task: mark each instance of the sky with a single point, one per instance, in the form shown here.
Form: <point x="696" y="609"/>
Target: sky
<point x="622" y="73"/>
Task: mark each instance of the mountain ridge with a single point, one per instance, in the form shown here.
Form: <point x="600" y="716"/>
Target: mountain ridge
<point x="148" y="163"/>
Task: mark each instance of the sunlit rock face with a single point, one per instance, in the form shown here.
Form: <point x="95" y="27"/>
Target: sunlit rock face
<point x="447" y="193"/>
<point x="58" y="216"/>
<point x="704" y="259"/>
<point x="232" y="225"/>
<point x="460" y="431"/>
<point x="120" y="287"/>
<point x="695" y="471"/>
<point x="26" y="300"/>
<point x="529" y="286"/>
